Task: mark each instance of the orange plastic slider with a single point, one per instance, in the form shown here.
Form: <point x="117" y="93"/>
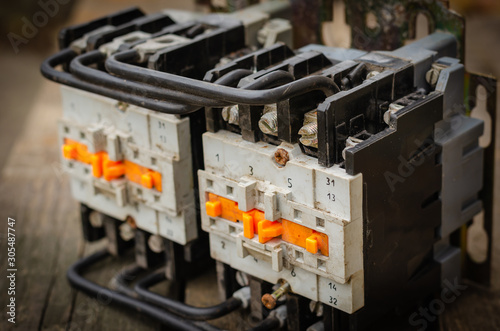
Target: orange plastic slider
<point x="112" y="169"/>
<point x="221" y="207"/>
<point x="96" y="161"/>
<point x="214" y="208"/>
<point x="312" y="244"/>
<point x="74" y="150"/>
<point x="142" y="175"/>
<point x="251" y="221"/>
<point x="269" y="230"/>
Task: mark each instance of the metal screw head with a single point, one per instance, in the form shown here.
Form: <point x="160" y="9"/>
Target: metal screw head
<point x="131" y="221"/>
<point x="122" y="106"/>
<point x="432" y="77"/>
<point x="126" y="232"/>
<point x="350" y="142"/>
<point x="281" y="156"/>
<point x="155" y="243"/>
<point x="96" y="219"/>
<point x="309" y="133"/>
<point x="393" y="108"/>
<point x="372" y="74"/>
<point x="309" y="129"/>
<point x="230" y="114"/>
<point x="268" y="301"/>
<point x="268" y="123"/>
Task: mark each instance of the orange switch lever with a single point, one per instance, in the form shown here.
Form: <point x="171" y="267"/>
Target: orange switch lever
<point x="112" y="169"/>
<point x="214" y="208"/>
<point x="96" y="162"/>
<point x="312" y="244"/>
<point x="69" y="151"/>
<point x="248" y="226"/>
<point x="147" y="180"/>
<point x="268" y="230"/>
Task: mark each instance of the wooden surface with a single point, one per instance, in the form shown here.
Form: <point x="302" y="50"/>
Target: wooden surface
<point x="35" y="192"/>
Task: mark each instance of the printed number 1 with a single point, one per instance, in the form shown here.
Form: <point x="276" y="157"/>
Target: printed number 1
<point x="217" y="156"/>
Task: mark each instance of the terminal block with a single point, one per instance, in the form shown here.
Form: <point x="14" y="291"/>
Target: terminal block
<point x="128" y="161"/>
<point x="353" y="199"/>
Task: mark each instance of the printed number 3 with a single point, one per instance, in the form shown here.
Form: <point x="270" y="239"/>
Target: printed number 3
<point x="333" y="300"/>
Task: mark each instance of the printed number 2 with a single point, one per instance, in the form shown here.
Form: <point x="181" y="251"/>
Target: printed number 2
<point x="333" y="300"/>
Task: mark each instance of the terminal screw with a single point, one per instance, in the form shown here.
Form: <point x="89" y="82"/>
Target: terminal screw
<point x="269" y="300"/>
<point x="122" y="106"/>
<point x="432" y="76"/>
<point x="281" y="156"/>
<point x="155" y="243"/>
<point x="393" y="108"/>
<point x="309" y="133"/>
<point x="230" y="114"/>
<point x="268" y="123"/>
<point x="372" y="74"/>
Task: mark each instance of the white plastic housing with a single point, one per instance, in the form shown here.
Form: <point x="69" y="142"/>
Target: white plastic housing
<point x="153" y="140"/>
<point x="326" y="200"/>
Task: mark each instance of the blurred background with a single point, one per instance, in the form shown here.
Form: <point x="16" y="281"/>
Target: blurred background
<point x="30" y="104"/>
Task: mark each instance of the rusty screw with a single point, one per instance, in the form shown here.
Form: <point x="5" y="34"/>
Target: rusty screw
<point x="120" y="105"/>
<point x="131" y="221"/>
<point x="269" y="300"/>
<point x="281" y="156"/>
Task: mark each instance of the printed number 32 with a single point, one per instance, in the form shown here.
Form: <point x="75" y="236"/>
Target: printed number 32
<point x="333" y="300"/>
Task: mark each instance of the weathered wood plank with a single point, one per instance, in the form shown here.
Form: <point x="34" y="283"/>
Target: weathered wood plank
<point x="31" y="194"/>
